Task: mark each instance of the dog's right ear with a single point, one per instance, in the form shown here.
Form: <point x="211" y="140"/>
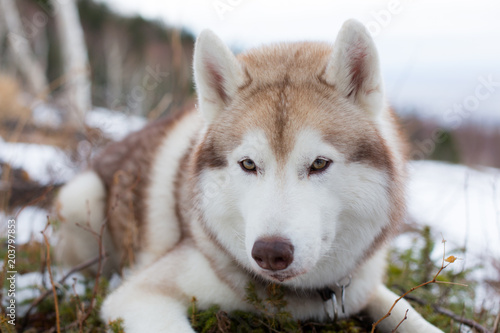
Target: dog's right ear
<point x="217" y="74"/>
<point x="354" y="67"/>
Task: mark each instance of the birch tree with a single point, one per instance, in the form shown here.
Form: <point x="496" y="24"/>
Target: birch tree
<point x="114" y="67"/>
<point x="3" y="28"/>
<point x="75" y="59"/>
<point x="24" y="58"/>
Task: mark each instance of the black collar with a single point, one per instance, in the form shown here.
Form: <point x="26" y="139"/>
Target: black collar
<point x="325" y="293"/>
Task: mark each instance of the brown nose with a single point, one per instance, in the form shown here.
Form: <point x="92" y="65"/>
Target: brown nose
<point x="273" y="253"/>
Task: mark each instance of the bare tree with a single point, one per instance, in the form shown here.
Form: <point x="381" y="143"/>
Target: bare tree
<point x="20" y="45"/>
<point x="3" y="28"/>
<point x="75" y="59"/>
<point x="114" y="67"/>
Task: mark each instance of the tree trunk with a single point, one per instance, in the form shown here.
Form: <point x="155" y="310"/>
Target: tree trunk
<point x="3" y="28"/>
<point x="78" y="96"/>
<point x="24" y="57"/>
<point x="114" y="68"/>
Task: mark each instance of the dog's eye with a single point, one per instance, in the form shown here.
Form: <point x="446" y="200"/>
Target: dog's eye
<point x="320" y="164"/>
<point x="248" y="165"/>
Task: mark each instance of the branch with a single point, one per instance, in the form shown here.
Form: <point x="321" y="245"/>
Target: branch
<point x="406" y="317"/>
<point x="99" y="271"/>
<point x="497" y="323"/>
<point x="56" y="305"/>
<point x="80" y="321"/>
<point x="75" y="269"/>
<point x="449" y="260"/>
<point x="469" y="322"/>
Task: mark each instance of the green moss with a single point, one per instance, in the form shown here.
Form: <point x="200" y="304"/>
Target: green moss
<point x="269" y="316"/>
<point x="116" y="326"/>
<point x="5" y="327"/>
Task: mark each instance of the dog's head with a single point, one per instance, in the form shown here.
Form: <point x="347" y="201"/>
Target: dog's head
<point x="299" y="168"/>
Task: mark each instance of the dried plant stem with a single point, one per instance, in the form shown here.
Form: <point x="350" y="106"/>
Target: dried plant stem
<point x="497" y="323"/>
<point x="86" y="314"/>
<point x="73" y="270"/>
<point x="79" y="307"/>
<point x="102" y="254"/>
<point x="54" y="291"/>
<point x="434" y="280"/>
<point x="471" y="323"/>
<point x="406" y="317"/>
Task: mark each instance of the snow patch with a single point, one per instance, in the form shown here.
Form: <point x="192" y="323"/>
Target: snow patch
<point x="115" y="125"/>
<point x="461" y="205"/>
<point x="45" y="164"/>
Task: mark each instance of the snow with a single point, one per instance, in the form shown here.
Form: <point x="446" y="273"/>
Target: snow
<point x="27" y="286"/>
<point x="30" y="222"/>
<point x="45" y="115"/>
<point x="45" y="164"/>
<point x="460" y="202"/>
<point x="462" y="206"/>
<point x="115" y="125"/>
<point x="49" y="164"/>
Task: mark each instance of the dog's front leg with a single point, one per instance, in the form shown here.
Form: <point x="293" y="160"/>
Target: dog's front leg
<point x="381" y="302"/>
<point x="157" y="298"/>
<point x="144" y="310"/>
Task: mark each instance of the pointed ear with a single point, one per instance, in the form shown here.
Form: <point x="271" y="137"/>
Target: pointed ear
<point x="354" y="67"/>
<point x="217" y="74"/>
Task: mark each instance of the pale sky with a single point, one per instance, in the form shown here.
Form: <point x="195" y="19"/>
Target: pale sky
<point x="433" y="53"/>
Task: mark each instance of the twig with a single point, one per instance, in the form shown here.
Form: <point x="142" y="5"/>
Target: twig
<point x="40" y="298"/>
<point x="406" y="317"/>
<point x="80" y="321"/>
<point x="443" y="266"/>
<point x="469" y="322"/>
<point x="56" y="305"/>
<point x="102" y="254"/>
<point x="467" y="214"/>
<point x="36" y="200"/>
<point x="79" y="306"/>
<point x="497" y="323"/>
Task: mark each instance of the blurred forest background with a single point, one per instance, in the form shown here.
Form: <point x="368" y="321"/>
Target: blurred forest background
<point x="143" y="67"/>
<point x="134" y="67"/>
<point x="75" y="77"/>
<point x="127" y="61"/>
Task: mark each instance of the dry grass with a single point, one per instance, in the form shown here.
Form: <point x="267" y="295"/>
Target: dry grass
<point x="11" y="106"/>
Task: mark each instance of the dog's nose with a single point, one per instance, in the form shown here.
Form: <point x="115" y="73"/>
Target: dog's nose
<point x="273" y="253"/>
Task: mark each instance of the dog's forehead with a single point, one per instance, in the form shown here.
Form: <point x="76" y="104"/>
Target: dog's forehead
<point x="299" y="62"/>
<point x="283" y="110"/>
<point x="284" y="95"/>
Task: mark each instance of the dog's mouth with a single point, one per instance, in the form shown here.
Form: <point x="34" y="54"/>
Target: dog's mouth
<point x="281" y="276"/>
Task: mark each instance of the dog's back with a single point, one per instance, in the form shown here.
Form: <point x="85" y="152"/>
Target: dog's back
<point x="117" y="190"/>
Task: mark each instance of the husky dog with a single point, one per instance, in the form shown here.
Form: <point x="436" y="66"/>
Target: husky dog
<point x="291" y="171"/>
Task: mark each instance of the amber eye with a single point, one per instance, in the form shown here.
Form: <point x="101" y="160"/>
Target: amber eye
<point x="248" y="165"/>
<point x="319" y="164"/>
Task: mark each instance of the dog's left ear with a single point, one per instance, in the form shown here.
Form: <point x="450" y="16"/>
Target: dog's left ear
<point x="354" y="67"/>
<point x="217" y="74"/>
